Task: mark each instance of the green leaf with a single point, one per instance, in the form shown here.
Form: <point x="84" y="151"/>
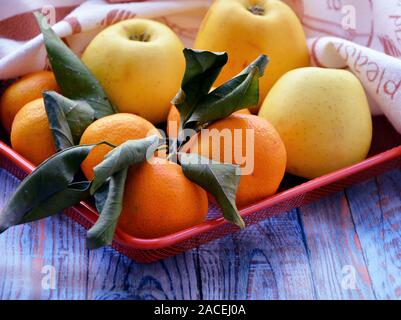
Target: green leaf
<point x="121" y="157"/>
<point x="68" y="119"/>
<point x="45" y="186"/>
<point x="73" y="77"/>
<point x="221" y="180"/>
<point x="101" y="195"/>
<point x="238" y="93"/>
<point x="112" y="193"/>
<point x="202" y="69"/>
<point x="72" y="195"/>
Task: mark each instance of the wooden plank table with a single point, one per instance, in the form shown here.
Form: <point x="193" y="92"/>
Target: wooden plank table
<point x="346" y="246"/>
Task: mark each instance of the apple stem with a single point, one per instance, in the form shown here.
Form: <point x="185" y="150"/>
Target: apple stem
<point x="257" y="10"/>
<point x="143" y="37"/>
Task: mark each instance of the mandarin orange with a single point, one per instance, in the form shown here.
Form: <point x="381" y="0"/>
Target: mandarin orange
<point x="252" y="143"/>
<point x="30" y="133"/>
<point x="115" y="129"/>
<point x="159" y="200"/>
<point x="24" y="90"/>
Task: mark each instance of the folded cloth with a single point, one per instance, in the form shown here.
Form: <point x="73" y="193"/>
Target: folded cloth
<point x="79" y="23"/>
<point x="363" y="36"/>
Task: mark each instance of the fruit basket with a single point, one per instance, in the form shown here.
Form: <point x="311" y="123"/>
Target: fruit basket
<point x="385" y="155"/>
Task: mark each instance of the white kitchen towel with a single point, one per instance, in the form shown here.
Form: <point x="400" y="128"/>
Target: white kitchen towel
<point x="363" y="36"/>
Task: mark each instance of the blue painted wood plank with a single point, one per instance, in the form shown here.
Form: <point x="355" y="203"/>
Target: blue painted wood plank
<point x="376" y="210"/>
<point x="113" y="276"/>
<point x="41" y="260"/>
<point x="338" y="266"/>
<point x="265" y="261"/>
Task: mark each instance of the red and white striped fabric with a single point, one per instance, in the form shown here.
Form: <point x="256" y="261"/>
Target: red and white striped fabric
<point x="22" y="51"/>
<point x="361" y="35"/>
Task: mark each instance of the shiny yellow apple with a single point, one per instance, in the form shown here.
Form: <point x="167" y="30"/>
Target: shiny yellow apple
<point x="323" y="117"/>
<point x="140" y="65"/>
<point x="247" y="28"/>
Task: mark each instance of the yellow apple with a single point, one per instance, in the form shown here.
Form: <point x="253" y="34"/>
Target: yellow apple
<point x="140" y="65"/>
<point x="247" y="28"/>
<point x="323" y="117"/>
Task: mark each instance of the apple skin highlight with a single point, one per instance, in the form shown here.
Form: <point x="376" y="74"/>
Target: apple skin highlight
<point x="140" y="65"/>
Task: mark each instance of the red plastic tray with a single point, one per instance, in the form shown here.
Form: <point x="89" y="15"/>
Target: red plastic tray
<point x="385" y="155"/>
